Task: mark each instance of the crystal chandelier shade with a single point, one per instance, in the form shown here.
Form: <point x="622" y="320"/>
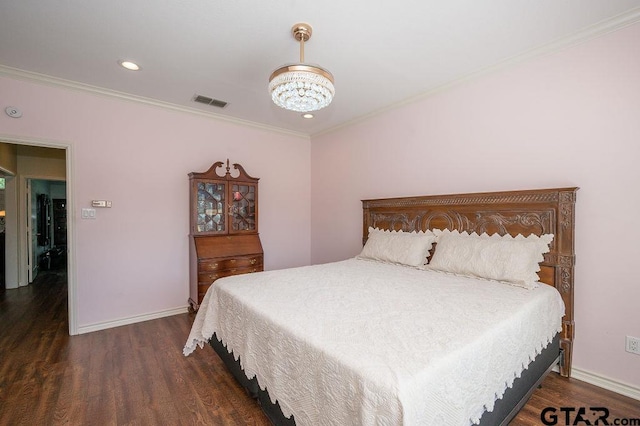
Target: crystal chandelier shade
<point x="301" y="87"/>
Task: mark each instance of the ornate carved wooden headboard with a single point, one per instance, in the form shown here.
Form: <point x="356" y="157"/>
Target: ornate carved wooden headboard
<point x="543" y="211"/>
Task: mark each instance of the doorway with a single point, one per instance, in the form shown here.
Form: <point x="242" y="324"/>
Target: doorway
<point x="35" y="160"/>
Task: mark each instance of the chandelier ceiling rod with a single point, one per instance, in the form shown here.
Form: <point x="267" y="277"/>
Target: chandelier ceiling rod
<point x="302" y="33"/>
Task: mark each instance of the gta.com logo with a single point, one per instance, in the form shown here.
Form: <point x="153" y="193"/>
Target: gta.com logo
<point x="565" y="416"/>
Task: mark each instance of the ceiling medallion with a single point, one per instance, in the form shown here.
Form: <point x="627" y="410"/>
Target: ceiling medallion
<point x="301" y="87"/>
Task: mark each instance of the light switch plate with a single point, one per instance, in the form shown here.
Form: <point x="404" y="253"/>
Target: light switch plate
<point x="88" y="213"/>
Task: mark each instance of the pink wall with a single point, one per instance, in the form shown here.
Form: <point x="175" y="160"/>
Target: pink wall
<point x="567" y="119"/>
<point x="133" y="259"/>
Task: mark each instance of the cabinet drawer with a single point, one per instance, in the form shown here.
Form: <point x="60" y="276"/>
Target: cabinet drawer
<point x="205" y="280"/>
<point x="220" y="264"/>
<point x="209" y="277"/>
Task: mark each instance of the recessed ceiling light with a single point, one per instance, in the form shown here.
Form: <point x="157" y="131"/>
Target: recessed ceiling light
<point x="307" y="115"/>
<point x="132" y="66"/>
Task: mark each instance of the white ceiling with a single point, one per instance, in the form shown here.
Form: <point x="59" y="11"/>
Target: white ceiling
<point x="381" y="52"/>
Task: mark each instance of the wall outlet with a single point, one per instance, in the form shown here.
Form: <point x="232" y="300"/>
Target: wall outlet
<point x="633" y="345"/>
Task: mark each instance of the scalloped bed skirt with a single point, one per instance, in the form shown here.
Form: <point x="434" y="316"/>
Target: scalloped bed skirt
<point x="504" y="410"/>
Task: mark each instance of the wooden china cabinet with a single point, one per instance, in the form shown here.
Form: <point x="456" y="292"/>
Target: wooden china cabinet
<point x="224" y="228"/>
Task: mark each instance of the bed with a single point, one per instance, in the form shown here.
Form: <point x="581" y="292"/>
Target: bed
<point x="361" y="364"/>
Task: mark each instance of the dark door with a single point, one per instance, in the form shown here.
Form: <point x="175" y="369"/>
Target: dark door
<point x="59" y="222"/>
<point x="2" y="272"/>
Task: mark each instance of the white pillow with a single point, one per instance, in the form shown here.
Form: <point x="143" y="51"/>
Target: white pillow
<point x="514" y="260"/>
<point x="406" y="248"/>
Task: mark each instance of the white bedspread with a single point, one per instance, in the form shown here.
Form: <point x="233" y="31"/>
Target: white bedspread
<point x="365" y="343"/>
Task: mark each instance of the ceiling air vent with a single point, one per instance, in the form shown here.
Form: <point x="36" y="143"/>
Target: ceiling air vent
<point x="209" y="101"/>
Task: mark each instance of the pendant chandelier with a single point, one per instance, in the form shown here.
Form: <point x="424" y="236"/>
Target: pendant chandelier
<point x="301" y="87"/>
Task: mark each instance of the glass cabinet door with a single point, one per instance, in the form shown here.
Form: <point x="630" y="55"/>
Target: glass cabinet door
<point x="243" y="207"/>
<point x="210" y="206"/>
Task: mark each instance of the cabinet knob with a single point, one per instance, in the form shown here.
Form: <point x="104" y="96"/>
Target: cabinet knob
<point x="253" y="261"/>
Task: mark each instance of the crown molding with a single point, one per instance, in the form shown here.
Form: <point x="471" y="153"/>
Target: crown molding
<point x="593" y="31"/>
<point x="87" y="88"/>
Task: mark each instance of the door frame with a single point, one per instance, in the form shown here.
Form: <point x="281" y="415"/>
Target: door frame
<point x="72" y="289"/>
<point x="28" y="229"/>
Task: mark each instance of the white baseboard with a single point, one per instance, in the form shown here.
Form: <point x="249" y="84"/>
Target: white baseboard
<point x="606" y="383"/>
<point x="132" y="320"/>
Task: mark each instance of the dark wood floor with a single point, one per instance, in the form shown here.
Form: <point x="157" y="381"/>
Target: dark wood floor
<point x="137" y="375"/>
